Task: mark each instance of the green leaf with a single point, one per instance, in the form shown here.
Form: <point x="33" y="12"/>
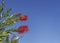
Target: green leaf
<point x="9" y="10"/>
<point x="4" y="14"/>
<point x="3" y="3"/>
<point x="1" y="8"/>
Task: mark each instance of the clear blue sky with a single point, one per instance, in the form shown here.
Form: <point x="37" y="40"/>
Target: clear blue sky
<point x="44" y="19"/>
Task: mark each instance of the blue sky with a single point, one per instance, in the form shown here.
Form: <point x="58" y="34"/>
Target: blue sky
<point x="43" y="22"/>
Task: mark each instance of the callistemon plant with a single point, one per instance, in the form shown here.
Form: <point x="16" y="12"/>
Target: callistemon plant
<point x="11" y="19"/>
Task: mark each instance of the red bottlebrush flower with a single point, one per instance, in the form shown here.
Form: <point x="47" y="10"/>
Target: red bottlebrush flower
<point x="22" y="17"/>
<point x="23" y="29"/>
